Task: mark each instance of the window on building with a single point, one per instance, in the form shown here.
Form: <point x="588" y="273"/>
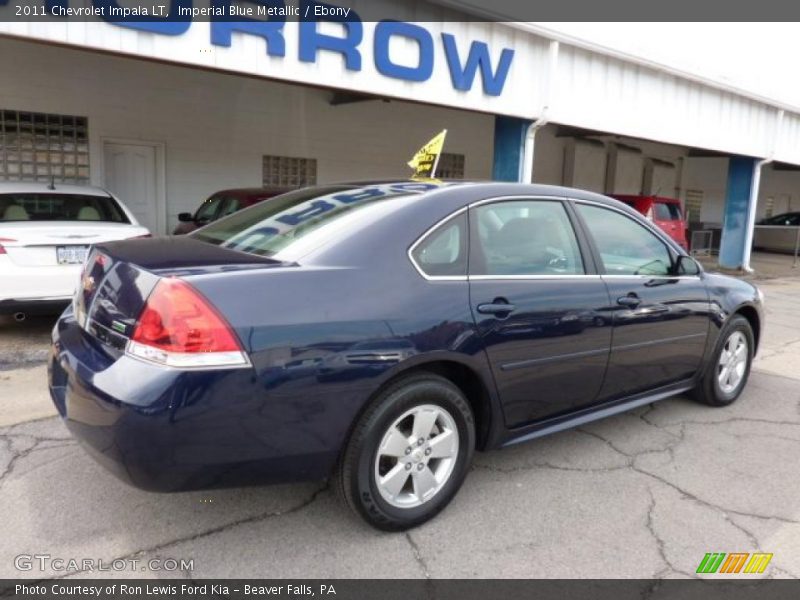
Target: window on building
<point x="289" y="171"/>
<point x="41" y="147"/>
<point x="694" y="205"/>
<point x="769" y="207"/>
<point x="451" y="166"/>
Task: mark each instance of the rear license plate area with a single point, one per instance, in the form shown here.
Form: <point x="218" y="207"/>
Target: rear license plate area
<point x="71" y="255"/>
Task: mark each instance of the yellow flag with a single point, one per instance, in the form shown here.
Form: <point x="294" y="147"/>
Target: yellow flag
<point x="425" y="160"/>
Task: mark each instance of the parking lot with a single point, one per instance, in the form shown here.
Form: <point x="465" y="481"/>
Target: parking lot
<point x="645" y="494"/>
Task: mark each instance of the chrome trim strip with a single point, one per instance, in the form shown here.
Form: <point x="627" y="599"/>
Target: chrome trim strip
<point x="657" y="342"/>
<point x="521" y="364"/>
<point x="649" y="277"/>
<point x="555" y="276"/>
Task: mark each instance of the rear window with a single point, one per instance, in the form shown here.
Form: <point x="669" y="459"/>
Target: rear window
<point x="59" y="207"/>
<point x="306" y="217"/>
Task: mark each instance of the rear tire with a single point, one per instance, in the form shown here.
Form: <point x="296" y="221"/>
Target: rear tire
<point x="408" y="454"/>
<point x="729" y="368"/>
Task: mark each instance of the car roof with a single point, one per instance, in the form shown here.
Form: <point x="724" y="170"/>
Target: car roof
<point x="253" y="191"/>
<point x="13" y="187"/>
<point x="661" y="199"/>
<point x="492" y="188"/>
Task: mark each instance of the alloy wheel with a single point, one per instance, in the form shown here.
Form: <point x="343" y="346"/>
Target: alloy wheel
<point x="732" y="363"/>
<point x="416" y="456"/>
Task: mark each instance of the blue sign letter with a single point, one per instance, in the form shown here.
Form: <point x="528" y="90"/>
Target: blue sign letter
<point x="384" y="32"/>
<point x="271" y="30"/>
<point x="478" y="56"/>
<point x="311" y="40"/>
<point x="171" y="25"/>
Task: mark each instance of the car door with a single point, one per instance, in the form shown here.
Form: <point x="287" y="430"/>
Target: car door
<point x="537" y="303"/>
<point x="660" y="317"/>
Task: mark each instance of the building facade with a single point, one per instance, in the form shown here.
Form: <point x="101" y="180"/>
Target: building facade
<point x="164" y="113"/>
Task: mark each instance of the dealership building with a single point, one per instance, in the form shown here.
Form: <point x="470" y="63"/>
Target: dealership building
<point x="165" y="112"/>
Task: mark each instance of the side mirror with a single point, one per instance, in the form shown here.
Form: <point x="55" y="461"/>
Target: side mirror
<point x="686" y="265"/>
<point x="185" y="217"/>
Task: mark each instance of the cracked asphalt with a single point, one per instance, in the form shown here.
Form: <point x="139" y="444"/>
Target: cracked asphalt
<point x="644" y="494"/>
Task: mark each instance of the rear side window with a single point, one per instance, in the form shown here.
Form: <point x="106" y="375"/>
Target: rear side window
<point x="626" y="247"/>
<point x="60" y="207"/>
<point x="524" y="237"/>
<point x="443" y="252"/>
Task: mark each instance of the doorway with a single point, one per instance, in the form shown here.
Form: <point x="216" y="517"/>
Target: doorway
<point x="134" y="172"/>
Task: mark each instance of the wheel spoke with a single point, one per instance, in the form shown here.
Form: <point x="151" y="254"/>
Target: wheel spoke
<point x="443" y="445"/>
<point x="423" y="424"/>
<point x="395" y="479"/>
<point x="424" y="481"/>
<point x="394" y="444"/>
<point x="729" y="378"/>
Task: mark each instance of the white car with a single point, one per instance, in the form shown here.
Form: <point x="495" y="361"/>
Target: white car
<point x="45" y="235"/>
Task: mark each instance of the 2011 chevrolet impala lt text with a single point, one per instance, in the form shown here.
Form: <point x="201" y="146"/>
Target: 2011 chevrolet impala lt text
<point x="380" y="333"/>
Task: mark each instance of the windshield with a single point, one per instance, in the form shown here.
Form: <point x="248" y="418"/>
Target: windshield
<point x="270" y="227"/>
<point x="59" y="207"/>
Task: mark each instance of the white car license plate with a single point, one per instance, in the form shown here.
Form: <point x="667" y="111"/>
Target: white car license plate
<point x="71" y="255"/>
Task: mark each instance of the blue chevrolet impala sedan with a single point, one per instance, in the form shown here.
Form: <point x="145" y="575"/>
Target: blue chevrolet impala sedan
<point x="379" y="334"/>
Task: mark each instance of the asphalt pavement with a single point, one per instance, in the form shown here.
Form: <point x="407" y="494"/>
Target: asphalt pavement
<point x="644" y="494"/>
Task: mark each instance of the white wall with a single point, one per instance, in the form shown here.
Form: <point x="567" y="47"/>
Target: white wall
<point x="216" y="127"/>
<point x="617" y="167"/>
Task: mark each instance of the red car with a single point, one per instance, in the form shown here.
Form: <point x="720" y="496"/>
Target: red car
<point x="223" y="203"/>
<point x="666" y="213"/>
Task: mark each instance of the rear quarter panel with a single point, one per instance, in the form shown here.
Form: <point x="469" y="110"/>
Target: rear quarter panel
<point x="298" y="324"/>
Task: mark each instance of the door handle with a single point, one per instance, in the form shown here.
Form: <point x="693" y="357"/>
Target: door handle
<point x="631" y="300"/>
<point x="497" y="307"/>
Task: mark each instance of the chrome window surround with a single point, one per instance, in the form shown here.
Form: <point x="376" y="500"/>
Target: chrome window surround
<point x="657" y="232"/>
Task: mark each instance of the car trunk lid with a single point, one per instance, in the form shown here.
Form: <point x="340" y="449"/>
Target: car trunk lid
<point x="54" y="243"/>
<point x="118" y="278"/>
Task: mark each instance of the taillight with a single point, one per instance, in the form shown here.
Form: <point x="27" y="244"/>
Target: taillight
<point x="179" y="328"/>
<point x="3" y="250"/>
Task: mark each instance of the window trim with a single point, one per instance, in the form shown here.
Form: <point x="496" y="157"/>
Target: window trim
<point x="672" y="246"/>
<point x="587" y="252"/>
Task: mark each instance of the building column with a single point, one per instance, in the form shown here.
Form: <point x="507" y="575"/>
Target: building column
<point x="509" y="148"/>
<point x="740" y="204"/>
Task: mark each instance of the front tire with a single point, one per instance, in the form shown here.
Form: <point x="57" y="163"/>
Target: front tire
<point x="408" y="454"/>
<point x="728" y="371"/>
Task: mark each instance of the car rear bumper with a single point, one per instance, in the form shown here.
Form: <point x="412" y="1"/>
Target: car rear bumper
<point x="34" y="306"/>
<point x="165" y="429"/>
<point x="37" y="284"/>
